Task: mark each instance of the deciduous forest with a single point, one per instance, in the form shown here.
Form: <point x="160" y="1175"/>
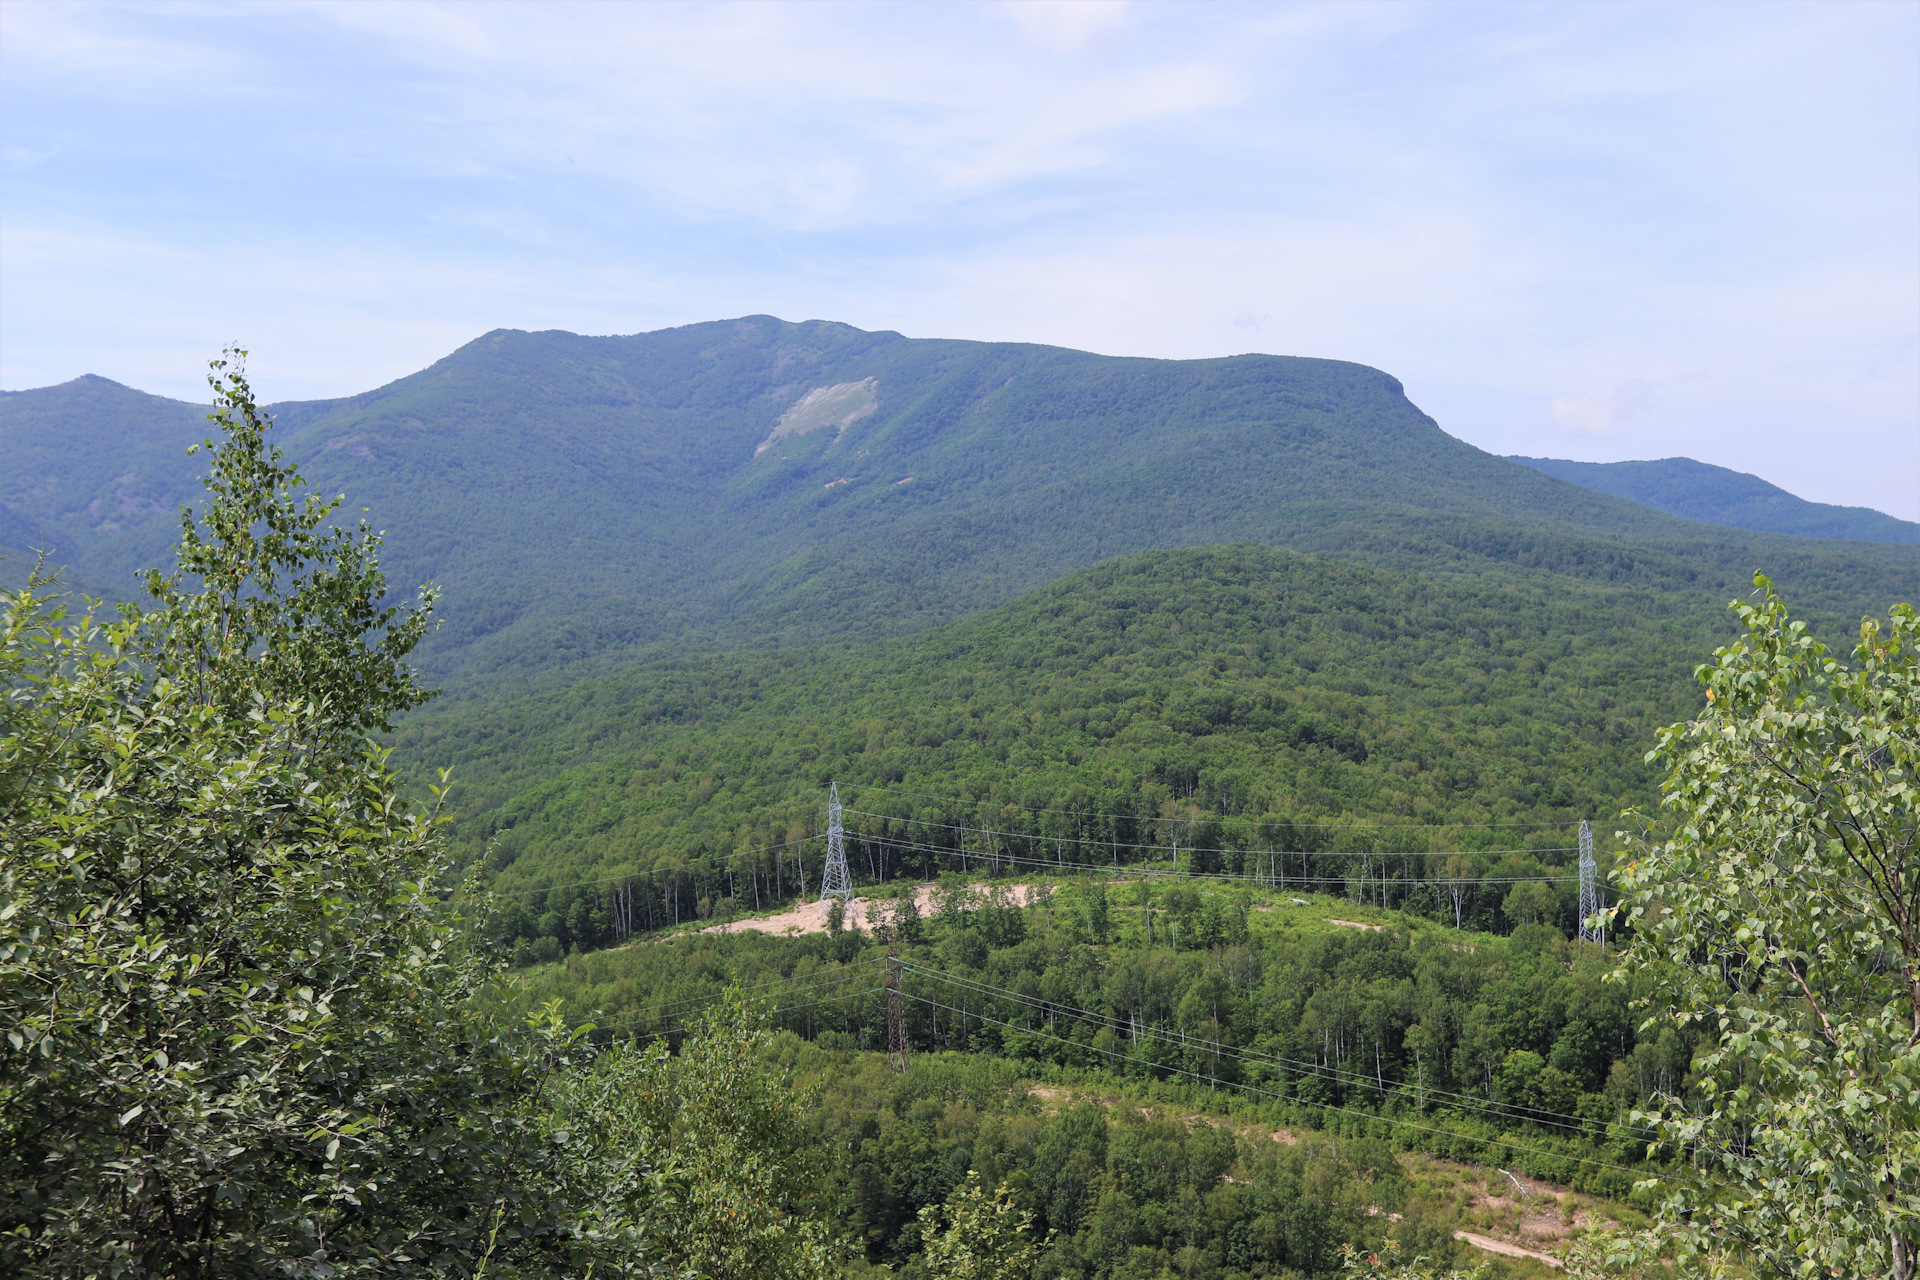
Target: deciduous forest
<point x="1215" y="914"/>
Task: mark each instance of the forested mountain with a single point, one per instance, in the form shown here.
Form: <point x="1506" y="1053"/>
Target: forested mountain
<point x="1228" y="699"/>
<point x="755" y="482"/>
<point x="1295" y="838"/>
<point x="1718" y="495"/>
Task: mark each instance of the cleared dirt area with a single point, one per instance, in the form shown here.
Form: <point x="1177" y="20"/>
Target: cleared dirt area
<point x="1504" y="1249"/>
<point x="862" y="913"/>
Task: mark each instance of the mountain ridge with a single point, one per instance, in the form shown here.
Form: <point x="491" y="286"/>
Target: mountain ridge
<point x="1702" y="491"/>
<point x="597" y="499"/>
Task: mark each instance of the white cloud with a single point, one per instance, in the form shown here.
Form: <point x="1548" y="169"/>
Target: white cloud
<point x="1066" y="25"/>
<point x="1602" y="413"/>
<point x="1632" y="230"/>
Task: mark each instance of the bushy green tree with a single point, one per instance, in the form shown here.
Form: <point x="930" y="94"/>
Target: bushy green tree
<point x="1781" y="923"/>
<point x="244" y="1033"/>
<point x="979" y="1235"/>
<point x="1530" y="902"/>
<point x="270" y="602"/>
<point x="696" y="1164"/>
<point x="1385" y="1263"/>
<point x="1093" y="901"/>
<point x="244" y="1036"/>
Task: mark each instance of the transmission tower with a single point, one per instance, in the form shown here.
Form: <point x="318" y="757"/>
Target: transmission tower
<point x="896" y="1012"/>
<point x="1590" y="930"/>
<point x="835" y="881"/>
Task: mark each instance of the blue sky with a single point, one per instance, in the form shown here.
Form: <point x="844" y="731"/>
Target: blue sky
<point x="1592" y="231"/>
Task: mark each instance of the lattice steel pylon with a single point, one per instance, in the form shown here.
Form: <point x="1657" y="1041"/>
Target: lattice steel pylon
<point x="1590" y="928"/>
<point x="836" y="881"/>
<point x="896" y="1012"/>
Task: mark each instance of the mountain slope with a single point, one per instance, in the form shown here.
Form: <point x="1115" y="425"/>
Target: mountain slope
<point x="1701" y="491"/>
<point x="1242" y="690"/>
<point x="754" y="482"/>
<point x="96" y="471"/>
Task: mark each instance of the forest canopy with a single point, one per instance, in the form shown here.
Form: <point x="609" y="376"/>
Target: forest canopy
<point x="260" y="1018"/>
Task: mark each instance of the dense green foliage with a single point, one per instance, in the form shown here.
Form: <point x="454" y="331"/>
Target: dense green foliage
<point x="697" y="1164"/>
<point x="245" y="1031"/>
<point x="978" y="1236"/>
<point x="238" y="1029"/>
<point x="1514" y="1051"/>
<point x="208" y="934"/>
<point x="580" y="496"/>
<point x="1717" y="495"/>
<point x="1235" y="700"/>
<point x="1781" y="924"/>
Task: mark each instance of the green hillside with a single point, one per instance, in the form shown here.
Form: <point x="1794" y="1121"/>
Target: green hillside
<point x="93" y="472"/>
<point x="757" y="483"/>
<point x="1048" y="1044"/>
<point x="1718" y="495"/>
<point x="1238" y="699"/>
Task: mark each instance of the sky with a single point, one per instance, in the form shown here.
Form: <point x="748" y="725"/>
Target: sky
<point x="1593" y="231"/>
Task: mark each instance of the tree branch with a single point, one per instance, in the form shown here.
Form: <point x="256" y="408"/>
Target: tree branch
<point x="1826" y="1027"/>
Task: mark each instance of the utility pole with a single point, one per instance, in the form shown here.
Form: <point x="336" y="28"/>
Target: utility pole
<point x="835" y="880"/>
<point x="1590" y="930"/>
<point x="896" y="1011"/>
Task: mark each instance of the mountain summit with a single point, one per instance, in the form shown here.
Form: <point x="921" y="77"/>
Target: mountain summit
<point x="753" y="481"/>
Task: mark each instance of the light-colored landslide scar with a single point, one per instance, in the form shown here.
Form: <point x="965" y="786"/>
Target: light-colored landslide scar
<point x="838" y="406"/>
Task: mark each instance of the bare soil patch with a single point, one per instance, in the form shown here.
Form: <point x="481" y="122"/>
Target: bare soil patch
<point x="1506" y="1250"/>
<point x="862" y="913"/>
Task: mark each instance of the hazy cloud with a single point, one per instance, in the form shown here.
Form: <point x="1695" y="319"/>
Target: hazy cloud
<point x="1068" y="25"/>
<point x="1602" y="413"/>
<point x="1609" y="230"/>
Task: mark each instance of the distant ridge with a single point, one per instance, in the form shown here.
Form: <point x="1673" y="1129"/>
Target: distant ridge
<point x="1717" y="495"/>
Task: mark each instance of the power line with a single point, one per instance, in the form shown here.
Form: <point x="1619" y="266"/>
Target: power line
<point x="659" y="871"/>
<point x="1112" y="1023"/>
<point x="1277" y="879"/>
<point x="773" y="982"/>
<point x="1163" y="848"/>
<point x="1163" y="1037"/>
<point x="896" y="1032"/>
<point x="788" y="1008"/>
<point x="1590" y="926"/>
<point x="896" y="1011"/>
<point x="835" y="880"/>
<point x="705" y="859"/>
<point x="1290" y="822"/>
<point x="831" y="978"/>
<point x="1232" y="1084"/>
<point x="678" y="1022"/>
<point x="1125" y="869"/>
<point x="1563" y="1120"/>
<point x="1141" y="870"/>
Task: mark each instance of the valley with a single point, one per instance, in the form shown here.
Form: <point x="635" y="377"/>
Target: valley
<point x="1240" y="1028"/>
